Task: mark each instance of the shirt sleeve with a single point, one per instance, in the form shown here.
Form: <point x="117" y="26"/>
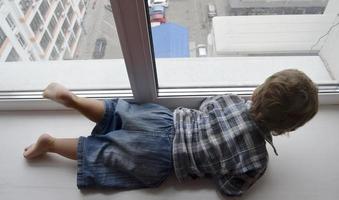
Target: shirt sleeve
<point x="236" y="185"/>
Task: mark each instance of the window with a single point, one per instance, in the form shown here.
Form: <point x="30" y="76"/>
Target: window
<point x="52" y="26"/>
<point x="60" y="41"/>
<point x="76" y="28"/>
<point x="43" y="8"/>
<point x="37" y="24"/>
<point x="70" y="14"/>
<point x="21" y="40"/>
<point x="65" y="3"/>
<point x="198" y="67"/>
<point x="13" y="56"/>
<point x="10" y="21"/>
<point x="45" y="40"/>
<point x="58" y="11"/>
<point x="81" y="6"/>
<point x="65" y="27"/>
<point x="31" y="57"/>
<point x="71" y="41"/>
<point x="25" y="5"/>
<point x="54" y="55"/>
<point x="3" y="37"/>
<point x="238" y="33"/>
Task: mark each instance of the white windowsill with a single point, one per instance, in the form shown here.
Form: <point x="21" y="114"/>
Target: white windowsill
<point x="110" y="75"/>
<point x="293" y="174"/>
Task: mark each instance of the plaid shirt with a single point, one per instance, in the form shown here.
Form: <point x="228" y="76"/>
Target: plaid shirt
<point x="220" y="140"/>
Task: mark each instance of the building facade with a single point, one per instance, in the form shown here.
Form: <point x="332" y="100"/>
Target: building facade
<point x="35" y="30"/>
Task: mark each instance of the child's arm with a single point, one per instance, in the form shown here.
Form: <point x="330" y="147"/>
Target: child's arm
<point x="236" y="185"/>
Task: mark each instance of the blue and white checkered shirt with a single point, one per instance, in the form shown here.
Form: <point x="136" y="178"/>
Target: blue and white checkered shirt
<point x="220" y="140"/>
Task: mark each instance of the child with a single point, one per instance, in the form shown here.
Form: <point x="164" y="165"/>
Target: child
<point x="137" y="146"/>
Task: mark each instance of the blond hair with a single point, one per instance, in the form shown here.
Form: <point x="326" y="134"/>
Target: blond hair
<point x="285" y="101"/>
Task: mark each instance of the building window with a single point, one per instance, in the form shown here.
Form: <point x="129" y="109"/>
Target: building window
<point x="70" y="14"/>
<point x="25" y="5"/>
<point x="43" y="8"/>
<point x="54" y="55"/>
<point x="52" y="25"/>
<point x="65" y="27"/>
<point x="21" y="40"/>
<point x="45" y="40"/>
<point x="65" y="3"/>
<point x="36" y="24"/>
<point x="13" y="56"/>
<point x="3" y="37"/>
<point x="59" y="42"/>
<point x="76" y="28"/>
<point x="31" y="57"/>
<point x="71" y="41"/>
<point x="10" y="21"/>
<point x="58" y="11"/>
<point x="81" y="6"/>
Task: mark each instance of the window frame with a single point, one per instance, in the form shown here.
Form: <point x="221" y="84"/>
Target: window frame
<point x="133" y="28"/>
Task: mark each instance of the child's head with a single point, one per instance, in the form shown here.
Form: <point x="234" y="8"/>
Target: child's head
<point x="285" y="101"/>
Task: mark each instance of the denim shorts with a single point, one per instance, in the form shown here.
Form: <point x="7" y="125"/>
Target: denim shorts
<point x="130" y="148"/>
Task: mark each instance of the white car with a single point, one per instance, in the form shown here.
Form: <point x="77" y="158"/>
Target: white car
<point x="159" y="2"/>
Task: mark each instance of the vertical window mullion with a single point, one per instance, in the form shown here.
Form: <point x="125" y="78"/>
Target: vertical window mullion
<point x="132" y="27"/>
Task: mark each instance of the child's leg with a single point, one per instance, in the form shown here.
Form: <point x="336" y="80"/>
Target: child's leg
<point x="66" y="147"/>
<point x="91" y="108"/>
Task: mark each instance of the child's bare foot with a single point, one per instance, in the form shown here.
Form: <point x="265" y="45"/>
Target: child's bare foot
<point x="42" y="146"/>
<point x="59" y="93"/>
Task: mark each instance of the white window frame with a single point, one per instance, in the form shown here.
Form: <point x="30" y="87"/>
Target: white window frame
<point x="133" y="30"/>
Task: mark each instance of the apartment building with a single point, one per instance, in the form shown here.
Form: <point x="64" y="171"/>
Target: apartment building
<point x="34" y="30"/>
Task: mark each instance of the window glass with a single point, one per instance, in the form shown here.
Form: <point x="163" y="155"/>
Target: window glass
<point x="43" y="8"/>
<point x="52" y="26"/>
<point x="54" y="54"/>
<point x="2" y="37"/>
<point x="10" y="21"/>
<point x="245" y="37"/>
<point x="65" y="27"/>
<point x="25" y="5"/>
<point x="59" y="11"/>
<point x="37" y="24"/>
<point x="70" y="14"/>
<point x="45" y="40"/>
<point x="46" y="30"/>
<point x="13" y="56"/>
<point x="21" y="40"/>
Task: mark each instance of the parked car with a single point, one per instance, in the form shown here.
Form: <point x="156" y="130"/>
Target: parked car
<point x="158" y="18"/>
<point x="211" y="10"/>
<point x="160" y="2"/>
<point x="201" y="50"/>
<point x="158" y="9"/>
<point x="99" y="49"/>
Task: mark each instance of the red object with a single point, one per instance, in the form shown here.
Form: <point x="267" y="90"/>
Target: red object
<point x="158" y="18"/>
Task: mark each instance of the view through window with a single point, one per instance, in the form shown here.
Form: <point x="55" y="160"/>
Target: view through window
<point x="218" y="43"/>
<point x="57" y="30"/>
